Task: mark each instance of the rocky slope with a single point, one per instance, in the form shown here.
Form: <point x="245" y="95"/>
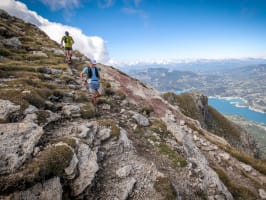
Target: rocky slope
<point x="135" y="145"/>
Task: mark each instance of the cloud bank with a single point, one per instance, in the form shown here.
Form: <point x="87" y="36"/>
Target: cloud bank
<point x="93" y="47"/>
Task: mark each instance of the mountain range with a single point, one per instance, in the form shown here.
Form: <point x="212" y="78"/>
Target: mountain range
<point x="247" y="82"/>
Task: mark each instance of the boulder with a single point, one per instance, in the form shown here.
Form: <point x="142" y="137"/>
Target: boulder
<point x="124" y="171"/>
<point x="104" y="134"/>
<point x="262" y="193"/>
<point x="87" y="169"/>
<point x="50" y="189"/>
<point x="12" y="42"/>
<point x="247" y="168"/>
<point x="71" y="110"/>
<point x="6" y="108"/>
<point x="141" y="120"/>
<point x="127" y="188"/>
<point x="40" y="54"/>
<point x="71" y="169"/>
<point x="124" y="143"/>
<point x="85" y="131"/>
<point x="30" y="110"/>
<point x="17" y="142"/>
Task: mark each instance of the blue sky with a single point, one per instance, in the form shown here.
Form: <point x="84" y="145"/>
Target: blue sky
<point x="146" y="30"/>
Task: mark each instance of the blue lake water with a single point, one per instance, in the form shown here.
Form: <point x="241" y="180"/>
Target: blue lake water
<point x="226" y="106"/>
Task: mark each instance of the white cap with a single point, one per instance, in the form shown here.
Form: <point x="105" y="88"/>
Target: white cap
<point x="93" y="62"/>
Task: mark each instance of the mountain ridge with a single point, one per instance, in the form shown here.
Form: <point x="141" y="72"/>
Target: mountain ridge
<point x="135" y="145"/>
<point x="243" y="82"/>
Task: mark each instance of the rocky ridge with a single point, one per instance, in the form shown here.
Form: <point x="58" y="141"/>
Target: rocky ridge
<point x="134" y="145"/>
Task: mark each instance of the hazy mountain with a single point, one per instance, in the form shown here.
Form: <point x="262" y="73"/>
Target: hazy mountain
<point x="247" y="82"/>
<point x="199" y="66"/>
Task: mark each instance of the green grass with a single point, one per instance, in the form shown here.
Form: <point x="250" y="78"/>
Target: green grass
<point x="104" y="100"/>
<point x="121" y="95"/>
<point x="14" y="96"/>
<point x="257" y="164"/>
<point x="67" y="79"/>
<point x="238" y="191"/>
<point x="4" y="51"/>
<point x="165" y="188"/>
<point x="14" y="67"/>
<point x="186" y="104"/>
<point x="159" y="127"/>
<point x="50" y="162"/>
<point x="221" y="126"/>
<point x="42" y="116"/>
<point x="87" y="111"/>
<point x="81" y="97"/>
<point x="107" y="88"/>
<point x="115" y="130"/>
<point x="176" y="159"/>
<point x="68" y="140"/>
<point x="35" y="99"/>
<point x="147" y="109"/>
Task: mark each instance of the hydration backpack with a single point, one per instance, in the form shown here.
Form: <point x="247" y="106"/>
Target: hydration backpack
<point x="90" y="72"/>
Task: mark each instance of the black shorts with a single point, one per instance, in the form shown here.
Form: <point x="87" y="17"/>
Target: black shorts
<point x="68" y="48"/>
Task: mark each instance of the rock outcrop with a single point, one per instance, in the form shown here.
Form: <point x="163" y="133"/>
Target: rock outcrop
<point x="17" y="144"/>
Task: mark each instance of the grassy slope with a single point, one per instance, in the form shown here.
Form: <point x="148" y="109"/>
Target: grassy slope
<point x="25" y="77"/>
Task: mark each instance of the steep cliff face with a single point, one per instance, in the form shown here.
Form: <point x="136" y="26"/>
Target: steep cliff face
<point x="196" y="106"/>
<point x="54" y="144"/>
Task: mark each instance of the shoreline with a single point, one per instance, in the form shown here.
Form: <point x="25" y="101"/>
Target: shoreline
<point x="247" y="122"/>
<point x="239" y="104"/>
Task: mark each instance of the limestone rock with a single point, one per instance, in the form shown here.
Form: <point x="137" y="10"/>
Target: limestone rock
<point x="30" y="118"/>
<point x="247" y="168"/>
<point x="85" y="131"/>
<point x="210" y="178"/>
<point x="262" y="193"/>
<point x="104" y="134"/>
<point x="56" y="71"/>
<point x="127" y="188"/>
<point x="54" y="50"/>
<point x="182" y="122"/>
<point x="6" y="108"/>
<point x="71" y="110"/>
<point x="49" y="190"/>
<point x="141" y="120"/>
<point x="87" y="168"/>
<point x="40" y="54"/>
<point x="30" y="110"/>
<point x="58" y="52"/>
<point x="70" y="170"/>
<point x="12" y="42"/>
<point x="17" y="142"/>
<point x="106" y="107"/>
<point x="124" y="142"/>
<point x="124" y="171"/>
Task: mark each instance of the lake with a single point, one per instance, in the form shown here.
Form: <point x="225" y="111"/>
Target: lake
<point x="228" y="107"/>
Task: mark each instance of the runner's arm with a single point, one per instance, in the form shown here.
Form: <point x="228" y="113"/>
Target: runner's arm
<point x="83" y="80"/>
<point x="61" y="45"/>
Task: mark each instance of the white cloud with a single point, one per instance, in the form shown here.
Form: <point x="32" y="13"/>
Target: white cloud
<point x="93" y="47"/>
<point x="61" y="4"/>
<point x="130" y="10"/>
<point x="105" y="3"/>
